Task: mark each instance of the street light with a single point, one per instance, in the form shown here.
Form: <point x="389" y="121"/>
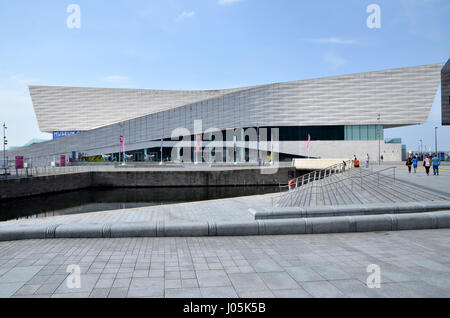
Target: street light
<point x="122" y="143"/>
<point x="435" y="141"/>
<point x="257" y="142"/>
<point x="421" y="149"/>
<point x="5" y="142"/>
<point x="379" y="139"/>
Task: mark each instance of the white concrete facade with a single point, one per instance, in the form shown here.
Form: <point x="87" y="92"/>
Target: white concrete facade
<point x="389" y="98"/>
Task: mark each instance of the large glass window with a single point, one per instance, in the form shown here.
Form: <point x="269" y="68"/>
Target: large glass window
<point x="364" y="132"/>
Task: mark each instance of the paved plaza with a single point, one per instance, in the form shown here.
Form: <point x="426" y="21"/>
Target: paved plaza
<point x="412" y="264"/>
<point x="440" y="184"/>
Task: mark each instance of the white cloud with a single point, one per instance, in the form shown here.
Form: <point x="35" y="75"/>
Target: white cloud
<point x="225" y="2"/>
<point x="22" y="80"/>
<point x="185" y="15"/>
<point x="334" y="40"/>
<point x="115" y="78"/>
<point x="334" y="61"/>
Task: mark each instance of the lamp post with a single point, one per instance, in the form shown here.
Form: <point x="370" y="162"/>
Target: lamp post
<point x="257" y="141"/>
<point x="161" y="152"/>
<point x="435" y="141"/>
<point x="421" y="149"/>
<point x="379" y="139"/>
<point x="122" y="144"/>
<point x="5" y="142"/>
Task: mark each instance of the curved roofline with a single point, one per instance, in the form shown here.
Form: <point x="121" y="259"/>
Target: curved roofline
<point x="443" y="64"/>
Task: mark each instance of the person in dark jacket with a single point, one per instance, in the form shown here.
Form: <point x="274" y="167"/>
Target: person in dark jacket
<point x="409" y="163"/>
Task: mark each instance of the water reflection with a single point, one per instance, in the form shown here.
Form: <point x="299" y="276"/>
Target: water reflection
<point x="96" y="199"/>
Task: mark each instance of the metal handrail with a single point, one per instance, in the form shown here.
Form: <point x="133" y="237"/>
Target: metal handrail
<point x="305" y="192"/>
<point x="340" y="180"/>
<point x="308" y="175"/>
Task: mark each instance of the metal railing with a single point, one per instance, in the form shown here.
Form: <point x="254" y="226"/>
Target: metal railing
<point x="334" y="186"/>
<point x="317" y="175"/>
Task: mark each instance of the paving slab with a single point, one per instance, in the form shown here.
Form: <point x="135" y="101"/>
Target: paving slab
<point x="9" y="289"/>
<point x="183" y="293"/>
<point x="146" y="287"/>
<point x="291" y="293"/>
<point x="19" y="274"/>
<point x="247" y="282"/>
<point x="278" y="280"/>
<point x="218" y="292"/>
<point x="322" y="289"/>
<point x="213" y="278"/>
<point x="304" y="274"/>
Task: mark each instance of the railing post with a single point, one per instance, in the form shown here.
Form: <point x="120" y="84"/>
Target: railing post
<point x="360" y="176"/>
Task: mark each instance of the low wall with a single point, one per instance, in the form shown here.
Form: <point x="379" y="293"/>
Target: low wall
<point x="23" y="187"/>
<point x="235" y="177"/>
<point x="16" y="188"/>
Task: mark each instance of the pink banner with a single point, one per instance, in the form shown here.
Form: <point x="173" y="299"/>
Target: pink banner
<point x="122" y="143"/>
<point x="307" y="145"/>
<point x="199" y="139"/>
<point x="19" y="162"/>
<point x="63" y="161"/>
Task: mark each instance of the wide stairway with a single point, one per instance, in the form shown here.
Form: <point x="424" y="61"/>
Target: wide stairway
<point x="347" y="185"/>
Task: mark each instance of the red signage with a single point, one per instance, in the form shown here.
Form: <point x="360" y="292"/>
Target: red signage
<point x="63" y="161"/>
<point x="19" y="162"/>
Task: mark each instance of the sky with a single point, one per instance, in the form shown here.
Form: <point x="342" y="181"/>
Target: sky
<point x="211" y="44"/>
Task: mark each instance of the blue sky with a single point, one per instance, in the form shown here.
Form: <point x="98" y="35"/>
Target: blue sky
<point x="210" y="44"/>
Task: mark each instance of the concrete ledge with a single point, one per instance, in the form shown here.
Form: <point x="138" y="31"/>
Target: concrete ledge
<point x="79" y="231"/>
<point x="23" y="233"/>
<point x="373" y="223"/>
<point x="237" y="229"/>
<point x="417" y="221"/>
<point x="143" y="229"/>
<point x="281" y="227"/>
<point x="349" y="210"/>
<point x="185" y="229"/>
<point x="333" y="224"/>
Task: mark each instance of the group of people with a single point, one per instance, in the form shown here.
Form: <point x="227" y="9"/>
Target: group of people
<point x="367" y="160"/>
<point x="427" y="163"/>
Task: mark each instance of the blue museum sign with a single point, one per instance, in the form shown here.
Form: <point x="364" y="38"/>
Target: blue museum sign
<point x="60" y="134"/>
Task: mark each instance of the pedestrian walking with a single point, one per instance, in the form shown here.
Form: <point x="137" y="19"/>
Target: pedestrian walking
<point x="427" y="164"/>
<point x="409" y="163"/>
<point x="367" y="160"/>
<point x="436" y="163"/>
<point x="415" y="160"/>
